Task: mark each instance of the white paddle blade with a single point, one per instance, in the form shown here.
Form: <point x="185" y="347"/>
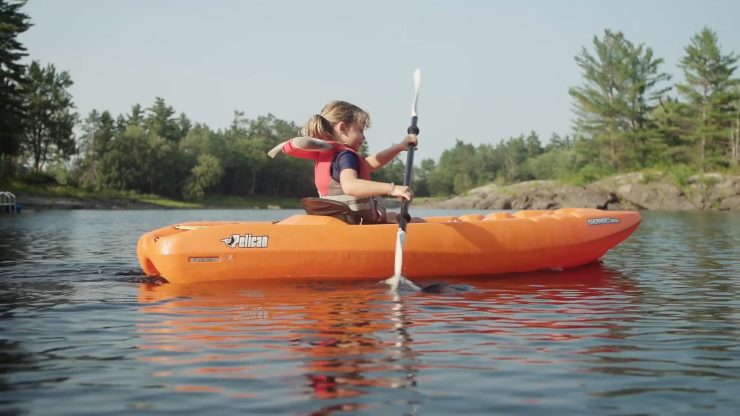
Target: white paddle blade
<point x="400" y="241"/>
<point x="417" y="84"/>
<point x="397" y="279"/>
<point x="394" y="280"/>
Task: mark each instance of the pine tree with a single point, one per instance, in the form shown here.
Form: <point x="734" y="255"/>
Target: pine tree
<point x="51" y="118"/>
<point x="709" y="92"/>
<point x="620" y="90"/>
<point x="161" y="121"/>
<point x="98" y="130"/>
<point x="12" y="114"/>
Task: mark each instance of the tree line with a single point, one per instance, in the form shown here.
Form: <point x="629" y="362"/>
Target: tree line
<point x="628" y="116"/>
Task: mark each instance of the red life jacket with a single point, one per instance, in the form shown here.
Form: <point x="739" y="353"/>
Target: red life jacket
<point x="372" y="210"/>
<point x="325" y="184"/>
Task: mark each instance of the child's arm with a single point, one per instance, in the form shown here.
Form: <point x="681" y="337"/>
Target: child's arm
<point x="303" y="147"/>
<point x="383" y="157"/>
<point x="361" y="188"/>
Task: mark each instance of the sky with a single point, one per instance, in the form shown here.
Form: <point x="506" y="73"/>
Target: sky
<point x="490" y="70"/>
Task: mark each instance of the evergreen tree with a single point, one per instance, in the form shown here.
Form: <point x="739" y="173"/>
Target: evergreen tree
<point x="620" y="90"/>
<point x="136" y="117"/>
<point x="51" y="117"/>
<point x="673" y="144"/>
<point x="98" y="130"/>
<point x="161" y="121"/>
<point x="12" y="23"/>
<point x="735" y="130"/>
<point x="455" y="172"/>
<point x="709" y="91"/>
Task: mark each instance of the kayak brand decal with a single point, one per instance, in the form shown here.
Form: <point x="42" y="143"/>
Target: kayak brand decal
<point x="246" y="241"/>
<point x="602" y="221"/>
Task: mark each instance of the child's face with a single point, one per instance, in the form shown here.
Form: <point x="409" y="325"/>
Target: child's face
<point x="353" y="136"/>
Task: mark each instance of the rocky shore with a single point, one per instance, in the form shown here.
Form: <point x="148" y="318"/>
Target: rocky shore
<point x="633" y="191"/>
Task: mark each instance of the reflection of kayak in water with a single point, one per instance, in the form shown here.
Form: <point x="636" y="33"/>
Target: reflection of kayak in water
<point x="304" y="246"/>
<point x="341" y="339"/>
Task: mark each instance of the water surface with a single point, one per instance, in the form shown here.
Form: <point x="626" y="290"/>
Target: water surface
<point x="651" y="330"/>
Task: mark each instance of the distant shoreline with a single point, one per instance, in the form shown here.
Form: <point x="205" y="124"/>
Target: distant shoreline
<point x="36" y="203"/>
<point x="635" y="191"/>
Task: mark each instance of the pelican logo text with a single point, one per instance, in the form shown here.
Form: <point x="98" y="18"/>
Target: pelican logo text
<point x="603" y="220"/>
<point x="246" y="241"/>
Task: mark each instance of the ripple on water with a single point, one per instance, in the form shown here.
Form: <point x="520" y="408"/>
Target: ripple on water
<point x="652" y="330"/>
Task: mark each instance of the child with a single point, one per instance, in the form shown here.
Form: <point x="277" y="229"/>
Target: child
<point x="332" y="139"/>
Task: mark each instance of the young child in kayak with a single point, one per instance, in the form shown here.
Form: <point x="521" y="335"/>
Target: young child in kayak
<point x="332" y="139"/>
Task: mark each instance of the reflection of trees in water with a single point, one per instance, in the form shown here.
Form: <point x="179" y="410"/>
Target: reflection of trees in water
<point x="31" y="281"/>
<point x="12" y="247"/>
<point x="27" y="294"/>
<point x="13" y="359"/>
<point x="20" y="242"/>
<point x="17" y="298"/>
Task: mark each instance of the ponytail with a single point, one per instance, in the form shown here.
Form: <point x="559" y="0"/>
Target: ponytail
<point x="321" y="126"/>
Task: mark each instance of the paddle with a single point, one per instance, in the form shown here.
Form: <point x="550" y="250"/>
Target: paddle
<point x="403" y="216"/>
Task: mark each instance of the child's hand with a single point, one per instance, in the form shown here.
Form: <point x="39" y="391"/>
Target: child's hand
<point x="409" y="139"/>
<point x="401" y="191"/>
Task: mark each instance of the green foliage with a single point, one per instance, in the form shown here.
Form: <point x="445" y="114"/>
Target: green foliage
<point x="621" y="88"/>
<point x="12" y="112"/>
<point x="422" y="174"/>
<point x="466" y="166"/>
<point x="625" y="121"/>
<point x="51" y="118"/>
<point x="710" y="93"/>
<point x="394" y="171"/>
<point x="681" y="173"/>
<point x="204" y="175"/>
<point x="587" y="174"/>
<point x="39" y="179"/>
<point x="453" y="163"/>
<point x="98" y="130"/>
<point x="161" y="122"/>
<point x="555" y="164"/>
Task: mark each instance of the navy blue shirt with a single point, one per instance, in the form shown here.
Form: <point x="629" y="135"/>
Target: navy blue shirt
<point x="346" y="159"/>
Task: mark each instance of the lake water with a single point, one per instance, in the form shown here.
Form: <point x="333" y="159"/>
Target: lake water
<point x="654" y="329"/>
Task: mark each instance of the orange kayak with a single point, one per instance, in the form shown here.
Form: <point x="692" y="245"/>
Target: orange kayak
<point x="310" y="246"/>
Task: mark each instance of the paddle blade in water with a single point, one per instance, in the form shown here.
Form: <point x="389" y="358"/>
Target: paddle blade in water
<point x="397" y="279"/>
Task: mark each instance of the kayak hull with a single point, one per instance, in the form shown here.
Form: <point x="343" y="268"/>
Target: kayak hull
<point x="305" y="246"/>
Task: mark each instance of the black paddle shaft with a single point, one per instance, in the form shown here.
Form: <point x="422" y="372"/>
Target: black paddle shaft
<point x="404" y="216"/>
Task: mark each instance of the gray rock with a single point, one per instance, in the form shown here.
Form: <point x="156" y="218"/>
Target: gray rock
<point x="632" y="191"/>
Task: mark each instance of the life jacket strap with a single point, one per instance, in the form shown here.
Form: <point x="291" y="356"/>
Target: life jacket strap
<point x="326" y="207"/>
<point x="355" y="204"/>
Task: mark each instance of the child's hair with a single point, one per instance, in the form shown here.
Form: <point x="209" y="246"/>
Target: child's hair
<point x="321" y="126"/>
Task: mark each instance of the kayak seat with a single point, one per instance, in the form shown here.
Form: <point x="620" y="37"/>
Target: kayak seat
<point x="331" y="208"/>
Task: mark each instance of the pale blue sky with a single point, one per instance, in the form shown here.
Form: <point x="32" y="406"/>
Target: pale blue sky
<point x="490" y="69"/>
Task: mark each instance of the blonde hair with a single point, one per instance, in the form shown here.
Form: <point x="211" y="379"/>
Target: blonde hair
<point x="321" y="126"/>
